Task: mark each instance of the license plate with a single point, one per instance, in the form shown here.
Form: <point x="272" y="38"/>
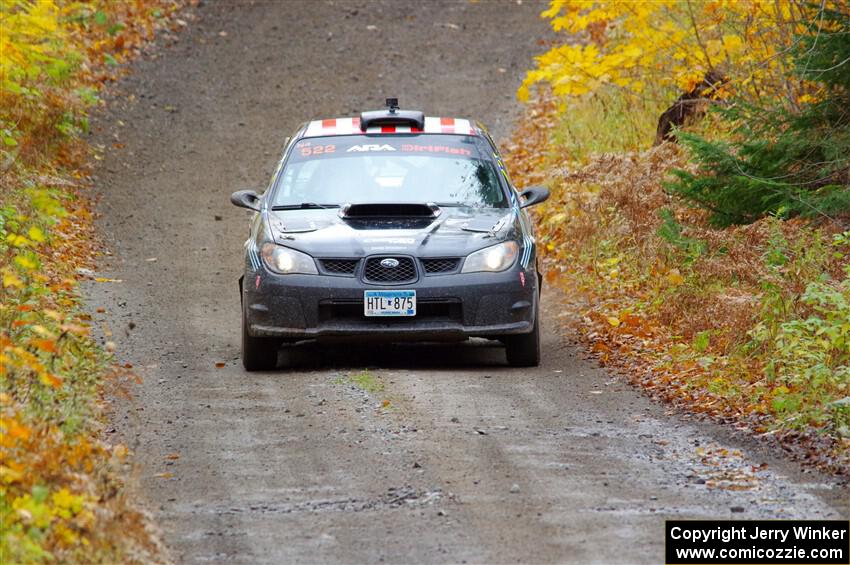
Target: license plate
<point x="389" y="302"/>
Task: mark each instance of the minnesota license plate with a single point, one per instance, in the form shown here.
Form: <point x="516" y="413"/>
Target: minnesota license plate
<point x="389" y="302"/>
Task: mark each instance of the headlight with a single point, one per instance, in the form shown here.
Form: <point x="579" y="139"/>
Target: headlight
<point x="494" y="259"/>
<point x="287" y="261"/>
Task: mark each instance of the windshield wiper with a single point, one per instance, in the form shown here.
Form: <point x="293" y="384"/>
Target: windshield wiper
<point x="305" y="206"/>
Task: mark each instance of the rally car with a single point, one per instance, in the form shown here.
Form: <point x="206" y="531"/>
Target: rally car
<point x="390" y="226"/>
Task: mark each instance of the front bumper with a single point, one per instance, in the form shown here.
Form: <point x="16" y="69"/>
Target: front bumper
<point x="449" y="307"/>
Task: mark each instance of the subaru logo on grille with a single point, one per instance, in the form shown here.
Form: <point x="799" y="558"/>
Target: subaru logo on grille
<point x="389" y="263"/>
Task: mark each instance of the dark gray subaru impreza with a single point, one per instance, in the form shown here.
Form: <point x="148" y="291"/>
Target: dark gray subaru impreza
<point x="395" y="226"/>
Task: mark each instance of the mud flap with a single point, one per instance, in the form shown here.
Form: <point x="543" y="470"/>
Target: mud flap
<point x="539" y="277"/>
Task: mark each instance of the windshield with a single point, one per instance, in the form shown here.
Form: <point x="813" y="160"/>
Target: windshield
<point x="447" y="170"/>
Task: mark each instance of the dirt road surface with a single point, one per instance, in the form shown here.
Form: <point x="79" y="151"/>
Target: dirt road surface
<point x="358" y="453"/>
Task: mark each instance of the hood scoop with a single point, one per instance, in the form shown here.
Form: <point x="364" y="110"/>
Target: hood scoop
<point x="389" y="216"/>
<point x="389" y="210"/>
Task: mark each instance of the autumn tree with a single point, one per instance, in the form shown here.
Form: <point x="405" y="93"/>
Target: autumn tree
<point x="663" y="47"/>
<point x="783" y="161"/>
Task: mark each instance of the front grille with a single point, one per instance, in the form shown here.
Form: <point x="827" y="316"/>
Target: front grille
<point x="404" y="272"/>
<point x="434" y="310"/>
<point x="345" y="267"/>
<point x="440" y="266"/>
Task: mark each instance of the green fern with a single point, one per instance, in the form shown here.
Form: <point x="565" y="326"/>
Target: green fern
<point x="783" y="162"/>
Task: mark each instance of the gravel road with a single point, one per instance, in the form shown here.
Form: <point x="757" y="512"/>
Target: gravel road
<point x="403" y="454"/>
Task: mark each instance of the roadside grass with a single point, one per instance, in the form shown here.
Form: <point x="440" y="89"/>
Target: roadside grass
<point x="62" y="496"/>
<point x="606" y="121"/>
<point x="60" y="487"/>
<point x="747" y="324"/>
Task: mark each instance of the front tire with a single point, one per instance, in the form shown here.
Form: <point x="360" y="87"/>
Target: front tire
<point x="524" y="350"/>
<point x="258" y="353"/>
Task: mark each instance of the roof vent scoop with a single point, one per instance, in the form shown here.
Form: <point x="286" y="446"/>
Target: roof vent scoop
<point x="392" y="116"/>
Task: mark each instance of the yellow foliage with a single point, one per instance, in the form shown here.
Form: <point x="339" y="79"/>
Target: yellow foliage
<point x="67" y="504"/>
<point x="672" y="44"/>
<point x="11" y="280"/>
<point x="26" y="263"/>
<point x="57" y="480"/>
<point x="31" y="35"/>
<point x="17" y="240"/>
<point x="36" y="234"/>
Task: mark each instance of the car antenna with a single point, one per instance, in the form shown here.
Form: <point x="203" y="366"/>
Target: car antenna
<point x="392" y="104"/>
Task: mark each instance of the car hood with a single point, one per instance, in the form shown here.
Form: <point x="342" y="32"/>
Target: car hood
<point x="456" y="232"/>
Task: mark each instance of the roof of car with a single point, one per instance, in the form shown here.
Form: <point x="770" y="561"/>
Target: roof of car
<point x="351" y="126"/>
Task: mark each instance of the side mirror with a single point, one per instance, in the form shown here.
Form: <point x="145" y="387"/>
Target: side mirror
<point x="246" y="199"/>
<point x="533" y="195"/>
